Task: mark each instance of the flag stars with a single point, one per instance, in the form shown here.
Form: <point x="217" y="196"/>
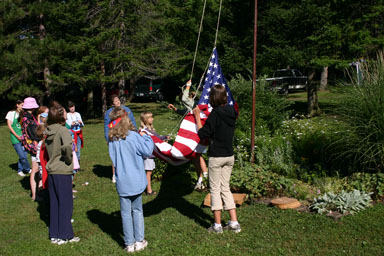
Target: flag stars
<point x="215" y="66"/>
<point x="206" y="97"/>
<point x="211" y="64"/>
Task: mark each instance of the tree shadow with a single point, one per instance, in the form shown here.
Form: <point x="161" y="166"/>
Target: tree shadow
<point x="173" y="187"/>
<point x="102" y="171"/>
<point x="109" y="223"/>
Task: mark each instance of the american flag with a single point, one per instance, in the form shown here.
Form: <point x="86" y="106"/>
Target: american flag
<point x="187" y="143"/>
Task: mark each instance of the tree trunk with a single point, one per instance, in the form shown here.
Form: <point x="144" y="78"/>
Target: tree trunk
<point x="103" y="89"/>
<point x="46" y="71"/>
<point x="313" y="108"/>
<point x="131" y="88"/>
<point x="90" y="108"/>
<point x="121" y="86"/>
<point x="324" y="79"/>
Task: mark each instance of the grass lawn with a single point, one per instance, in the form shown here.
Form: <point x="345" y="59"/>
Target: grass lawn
<point x="175" y="222"/>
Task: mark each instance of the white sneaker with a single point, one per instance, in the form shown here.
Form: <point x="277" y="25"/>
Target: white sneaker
<point x="61" y="241"/>
<point x="21" y="174"/>
<point x="74" y="239"/>
<point x="30" y="171"/>
<point x="199" y="186"/>
<point x="54" y="240"/>
<point x="130" y="248"/>
<point x="141" y="245"/>
<point x="113" y="179"/>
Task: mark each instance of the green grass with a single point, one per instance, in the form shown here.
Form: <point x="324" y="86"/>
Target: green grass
<point x="175" y="222"/>
<point x="327" y="101"/>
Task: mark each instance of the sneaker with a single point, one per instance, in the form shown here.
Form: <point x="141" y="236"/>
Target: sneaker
<point x="61" y="241"/>
<point x="199" y="186"/>
<point x="141" y="245"/>
<point x="30" y="171"/>
<point x="130" y="248"/>
<point x="54" y="240"/>
<point x="235" y="228"/>
<point x="74" y="239"/>
<point x="21" y="174"/>
<point x="213" y="229"/>
<point x="113" y="179"/>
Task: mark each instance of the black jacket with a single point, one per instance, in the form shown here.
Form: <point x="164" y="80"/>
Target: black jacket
<point x="219" y="128"/>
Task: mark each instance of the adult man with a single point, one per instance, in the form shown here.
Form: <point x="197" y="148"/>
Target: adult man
<point x="115" y="103"/>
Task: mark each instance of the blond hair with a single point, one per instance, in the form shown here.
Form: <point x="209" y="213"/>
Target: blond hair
<point x="121" y="130"/>
<point x="144" y="120"/>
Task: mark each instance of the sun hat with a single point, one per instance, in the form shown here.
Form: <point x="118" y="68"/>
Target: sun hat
<point x="45" y="115"/>
<point x="30" y="103"/>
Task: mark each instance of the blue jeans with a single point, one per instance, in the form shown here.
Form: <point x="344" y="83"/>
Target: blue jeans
<point x="133" y="218"/>
<point x="22" y="164"/>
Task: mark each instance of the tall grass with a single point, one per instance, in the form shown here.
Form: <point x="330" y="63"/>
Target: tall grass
<point x="362" y="108"/>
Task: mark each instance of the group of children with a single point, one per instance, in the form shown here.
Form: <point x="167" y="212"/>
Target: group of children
<point x="132" y="161"/>
<point x="32" y="133"/>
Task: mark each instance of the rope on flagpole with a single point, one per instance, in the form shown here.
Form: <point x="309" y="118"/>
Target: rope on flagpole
<point x="194" y="58"/>
<point x="198" y="40"/>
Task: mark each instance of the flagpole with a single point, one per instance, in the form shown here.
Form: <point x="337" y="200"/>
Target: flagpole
<point x="254" y="87"/>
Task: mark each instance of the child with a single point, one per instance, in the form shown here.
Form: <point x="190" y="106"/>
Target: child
<point x="219" y="129"/>
<point x="76" y="123"/>
<point x="127" y="150"/>
<point x="13" y="122"/>
<point x="187" y="98"/>
<point x="58" y="144"/>
<point x="146" y="122"/>
<point x="29" y="140"/>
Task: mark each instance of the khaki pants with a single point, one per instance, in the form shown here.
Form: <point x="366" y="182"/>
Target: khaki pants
<point x="220" y="169"/>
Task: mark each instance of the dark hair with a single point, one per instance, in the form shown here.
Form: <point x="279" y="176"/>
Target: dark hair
<point x="218" y="96"/>
<point x="112" y="97"/>
<point x="56" y="114"/>
<point x="71" y="104"/>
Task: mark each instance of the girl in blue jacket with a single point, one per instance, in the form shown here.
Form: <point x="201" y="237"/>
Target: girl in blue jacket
<point x="127" y="150"/>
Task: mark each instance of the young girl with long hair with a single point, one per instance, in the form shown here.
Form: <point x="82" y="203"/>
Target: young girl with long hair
<point x="127" y="150"/>
<point x="13" y="122"/>
<point x="146" y="125"/>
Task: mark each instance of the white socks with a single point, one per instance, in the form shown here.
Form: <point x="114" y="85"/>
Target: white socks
<point x="217" y="225"/>
<point x="200" y="180"/>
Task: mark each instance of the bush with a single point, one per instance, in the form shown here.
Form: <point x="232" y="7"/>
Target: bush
<point x="271" y="108"/>
<point x="362" y="107"/>
<point x="373" y="183"/>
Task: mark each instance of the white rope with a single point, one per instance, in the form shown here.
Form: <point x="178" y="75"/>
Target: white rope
<point x="198" y="40"/>
<point x="194" y="58"/>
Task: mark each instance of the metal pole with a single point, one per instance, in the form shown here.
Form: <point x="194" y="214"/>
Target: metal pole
<point x="254" y="87"/>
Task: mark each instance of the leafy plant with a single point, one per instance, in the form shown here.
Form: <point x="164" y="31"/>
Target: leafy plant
<point x="362" y="108"/>
<point x="351" y="202"/>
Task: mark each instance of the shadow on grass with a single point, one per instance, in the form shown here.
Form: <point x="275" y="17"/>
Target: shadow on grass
<point x="102" y="171"/>
<point x="25" y="183"/>
<point x="42" y="198"/>
<point x="173" y="187"/>
<point x="109" y="223"/>
<point x="13" y="166"/>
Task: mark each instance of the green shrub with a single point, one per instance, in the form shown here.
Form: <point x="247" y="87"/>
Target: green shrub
<point x="351" y="202"/>
<point x="362" y="107"/>
<point x="373" y="183"/>
<point x="271" y="108"/>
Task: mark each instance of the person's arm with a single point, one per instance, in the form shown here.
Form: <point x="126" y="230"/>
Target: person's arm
<point x="208" y="129"/>
<point x="145" y="145"/>
<point x="69" y="120"/>
<point x="79" y="119"/>
<point x="106" y="123"/>
<point x="66" y="147"/>
<point x="9" y="123"/>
